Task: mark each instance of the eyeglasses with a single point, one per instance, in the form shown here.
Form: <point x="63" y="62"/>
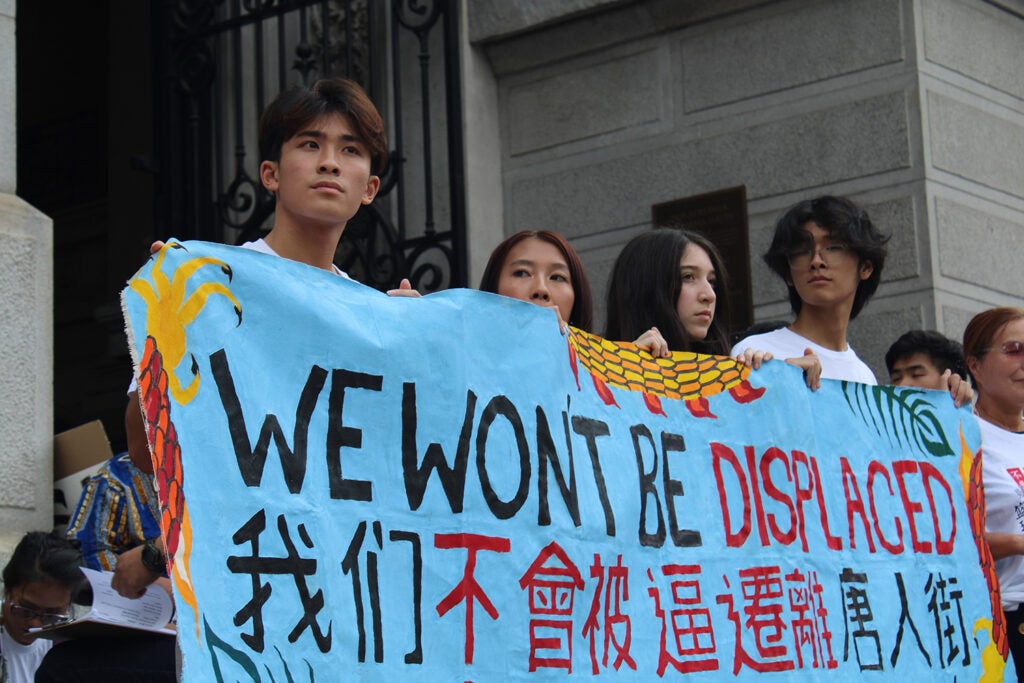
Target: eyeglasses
<point x="830" y="254"/>
<point x="1011" y="348"/>
<point x="45" y="618"/>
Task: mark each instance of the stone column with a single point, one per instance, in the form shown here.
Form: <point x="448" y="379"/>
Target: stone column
<point x="26" y="331"/>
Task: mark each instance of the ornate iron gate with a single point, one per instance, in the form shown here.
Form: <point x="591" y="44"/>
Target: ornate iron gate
<point x="220" y="61"/>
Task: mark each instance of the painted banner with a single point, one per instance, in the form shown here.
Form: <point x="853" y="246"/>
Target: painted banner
<point x="358" y="487"/>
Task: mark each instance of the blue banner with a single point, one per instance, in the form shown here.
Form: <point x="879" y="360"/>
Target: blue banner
<point x="451" y="488"/>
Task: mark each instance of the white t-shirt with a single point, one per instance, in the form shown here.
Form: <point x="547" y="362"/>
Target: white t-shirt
<point x="1002" y="473"/>
<point x="261" y="246"/>
<point x="21" y="661"/>
<point x="784" y="343"/>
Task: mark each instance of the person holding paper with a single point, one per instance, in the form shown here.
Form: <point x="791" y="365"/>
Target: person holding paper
<point x="116" y="522"/>
<point x="39" y="581"/>
<point x="928" y="360"/>
<point x="674" y="279"/>
<point x="322" y="148"/>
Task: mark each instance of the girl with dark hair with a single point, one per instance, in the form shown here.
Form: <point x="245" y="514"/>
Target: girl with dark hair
<point x="541" y="267"/>
<point x="994" y="351"/>
<point x="39" y="582"/>
<point x="670" y="278"/>
<point x="673" y="277"/>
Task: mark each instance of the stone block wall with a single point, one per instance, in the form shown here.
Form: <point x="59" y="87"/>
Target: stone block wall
<point x="972" y="100"/>
<point x="911" y="108"/>
<point x="26" y="333"/>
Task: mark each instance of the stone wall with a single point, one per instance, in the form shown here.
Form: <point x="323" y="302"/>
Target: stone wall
<point x="26" y="338"/>
<point x="910" y="108"/>
<point x="971" y="57"/>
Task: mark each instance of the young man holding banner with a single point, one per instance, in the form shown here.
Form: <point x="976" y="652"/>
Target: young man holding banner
<point x="830" y="255"/>
<point x="322" y="149"/>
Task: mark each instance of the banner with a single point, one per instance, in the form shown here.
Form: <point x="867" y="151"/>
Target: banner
<point x="450" y="488"/>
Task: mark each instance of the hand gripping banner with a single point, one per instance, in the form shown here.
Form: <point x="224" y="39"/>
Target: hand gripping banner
<point x="450" y="488"/>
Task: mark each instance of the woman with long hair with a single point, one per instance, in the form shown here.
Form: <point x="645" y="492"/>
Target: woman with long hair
<point x="669" y="278"/>
<point x="541" y="267"/>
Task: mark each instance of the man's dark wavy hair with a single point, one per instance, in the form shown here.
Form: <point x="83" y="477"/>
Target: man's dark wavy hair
<point x="297" y="107"/>
<point x="944" y="353"/>
<point x="42" y="556"/>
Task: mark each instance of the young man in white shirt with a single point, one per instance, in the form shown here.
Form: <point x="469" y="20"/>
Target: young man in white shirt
<point x="830" y="256"/>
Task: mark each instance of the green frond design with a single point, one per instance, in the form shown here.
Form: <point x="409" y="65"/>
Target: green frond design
<point x="244" y="661"/>
<point x="287" y="671"/>
<point x="904" y="416"/>
<point x="239" y="657"/>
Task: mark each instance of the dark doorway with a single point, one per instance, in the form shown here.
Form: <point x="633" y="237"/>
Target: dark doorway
<point x="84" y="122"/>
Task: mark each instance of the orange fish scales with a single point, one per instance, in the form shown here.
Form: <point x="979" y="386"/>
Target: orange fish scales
<point x="582" y="355"/>
<point x="690" y="388"/>
<point x="630" y="366"/>
<point x="634" y="377"/>
<point x="656" y="387"/>
<point x="650" y="366"/>
<point x="707" y="364"/>
<point x="616" y="378"/>
<point x="629" y="356"/>
<point x="731" y="375"/>
<point x="635" y="386"/>
<point x="710" y="376"/>
<point x="609" y="357"/>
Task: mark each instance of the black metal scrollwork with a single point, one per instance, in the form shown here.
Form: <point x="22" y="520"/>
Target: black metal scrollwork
<point x="223" y="55"/>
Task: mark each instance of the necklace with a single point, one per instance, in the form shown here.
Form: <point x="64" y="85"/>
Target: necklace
<point x="1017" y="427"/>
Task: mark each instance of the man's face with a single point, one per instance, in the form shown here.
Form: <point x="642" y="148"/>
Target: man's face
<point x="322" y="177"/>
<point x="825" y="272"/>
<point x="26" y="605"/>
<point x="916" y="370"/>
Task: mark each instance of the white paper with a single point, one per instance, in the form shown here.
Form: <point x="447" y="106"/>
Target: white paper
<point x="153" y="610"/>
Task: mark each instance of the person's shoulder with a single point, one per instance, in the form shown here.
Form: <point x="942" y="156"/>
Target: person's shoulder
<point x="765" y="341"/>
<point x="113" y="475"/>
<point x="262" y="247"/>
<point x="259" y="245"/>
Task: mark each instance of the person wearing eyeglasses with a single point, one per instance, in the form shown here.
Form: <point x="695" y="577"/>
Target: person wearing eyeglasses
<point x="830" y="255"/>
<point x="40" y="579"/>
<point x="994" y="351"/>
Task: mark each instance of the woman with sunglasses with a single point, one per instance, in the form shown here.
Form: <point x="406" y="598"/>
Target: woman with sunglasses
<point x="994" y="351"/>
<point x="39" y="581"/>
